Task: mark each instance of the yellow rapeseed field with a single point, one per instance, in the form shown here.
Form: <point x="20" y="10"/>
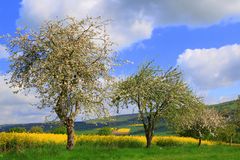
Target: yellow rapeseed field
<point x="32" y="137"/>
<point x="123" y="130"/>
<point x="136" y="125"/>
<point x="27" y="139"/>
<point x="182" y="140"/>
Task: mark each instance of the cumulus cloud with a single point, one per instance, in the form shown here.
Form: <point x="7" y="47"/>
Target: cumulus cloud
<point x="3" y="53"/>
<point x="211" y="68"/>
<point x="17" y="108"/>
<point x="133" y="20"/>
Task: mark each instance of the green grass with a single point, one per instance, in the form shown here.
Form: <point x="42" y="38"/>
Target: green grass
<point x="89" y="152"/>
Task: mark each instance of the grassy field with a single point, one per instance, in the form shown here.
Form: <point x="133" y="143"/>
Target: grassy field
<point x="90" y="152"/>
<point x="28" y="146"/>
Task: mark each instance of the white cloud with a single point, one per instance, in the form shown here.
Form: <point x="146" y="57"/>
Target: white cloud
<point x="226" y="98"/>
<point x="17" y="108"/>
<point x="210" y="98"/>
<point x="133" y="20"/>
<point x="3" y="53"/>
<point x="211" y="68"/>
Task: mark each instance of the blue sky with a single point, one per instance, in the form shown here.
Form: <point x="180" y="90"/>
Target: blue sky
<point x="202" y="38"/>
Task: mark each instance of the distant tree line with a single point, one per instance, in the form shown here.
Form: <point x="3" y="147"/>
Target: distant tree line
<point x="39" y="129"/>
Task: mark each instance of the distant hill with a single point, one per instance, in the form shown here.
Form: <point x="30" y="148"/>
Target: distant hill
<point x="230" y="105"/>
<point x="119" y="121"/>
<point x="91" y="126"/>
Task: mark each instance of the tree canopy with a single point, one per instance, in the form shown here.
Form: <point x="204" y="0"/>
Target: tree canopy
<point x="66" y="63"/>
<point x="201" y="122"/>
<point x="155" y="93"/>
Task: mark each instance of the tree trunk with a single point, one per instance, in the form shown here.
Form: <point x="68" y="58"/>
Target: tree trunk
<point x="149" y="136"/>
<point x="199" y="142"/>
<point x="231" y="140"/>
<point x="149" y="140"/>
<point x="200" y="138"/>
<point x="70" y="134"/>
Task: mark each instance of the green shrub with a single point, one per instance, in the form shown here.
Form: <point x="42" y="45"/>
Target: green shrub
<point x="167" y="143"/>
<point x="112" y="142"/>
<point x="105" y="131"/>
<point x="18" y="130"/>
<point x="18" y="145"/>
<point x="59" y="130"/>
<point x="36" y="129"/>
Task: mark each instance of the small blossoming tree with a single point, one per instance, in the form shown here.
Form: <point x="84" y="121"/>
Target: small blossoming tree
<point x="201" y="122"/>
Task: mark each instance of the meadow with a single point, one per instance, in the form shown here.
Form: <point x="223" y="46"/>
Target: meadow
<point x="90" y="152"/>
<point x="27" y="146"/>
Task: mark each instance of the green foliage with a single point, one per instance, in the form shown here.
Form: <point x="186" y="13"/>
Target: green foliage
<point x="36" y="129"/>
<point x="115" y="144"/>
<point x="226" y="133"/>
<point x="123" y="143"/>
<point x="231" y="111"/>
<point x="205" y="134"/>
<point x="236" y="138"/>
<point x="187" y="133"/>
<point x="17" y="145"/>
<point x="167" y="143"/>
<point x="105" y="131"/>
<point x="59" y="130"/>
<point x="18" y="130"/>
